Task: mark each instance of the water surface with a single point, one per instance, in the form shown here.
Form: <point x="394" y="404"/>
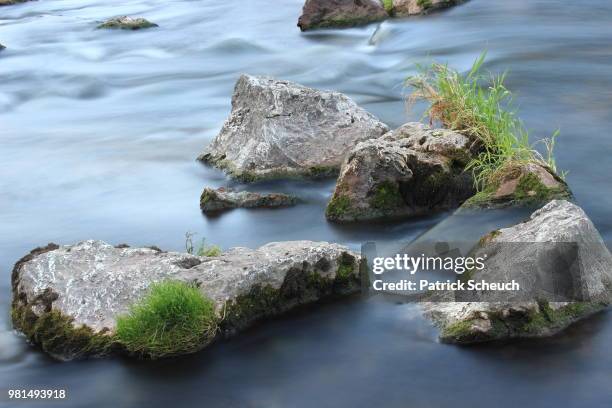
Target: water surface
<point x="98" y="135"/>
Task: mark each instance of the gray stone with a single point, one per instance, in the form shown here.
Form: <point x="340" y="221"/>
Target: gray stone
<point x="127" y="23"/>
<point x="340" y="13"/>
<point x="531" y="253"/>
<point x="66" y="298"/>
<point x="279" y="129"/>
<point x="11" y="2"/>
<point x="412" y="171"/>
<point x="221" y="199"/>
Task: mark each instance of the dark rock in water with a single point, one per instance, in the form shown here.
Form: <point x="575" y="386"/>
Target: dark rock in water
<point x="340" y="13"/>
<point x="412" y="171"/>
<point x="11" y="2"/>
<point x="2" y="47"/>
<point x="66" y="299"/>
<point x="127" y="23"/>
<point x="281" y="129"/>
<point x="402" y="8"/>
<point x="221" y="199"/>
<point x="528" y="184"/>
<point x="559" y="260"/>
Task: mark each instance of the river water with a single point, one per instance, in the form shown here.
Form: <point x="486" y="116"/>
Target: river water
<point x="98" y="135"/>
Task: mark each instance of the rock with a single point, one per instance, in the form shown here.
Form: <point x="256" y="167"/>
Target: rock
<point x="66" y="298"/>
<point x="127" y="23"/>
<point x="412" y="171"/>
<point x="11" y="2"/>
<point x="560" y="260"/>
<point x="2" y="47"/>
<point x="279" y="129"/>
<point x="222" y="199"/>
<point x="402" y="8"/>
<point x="522" y="185"/>
<point x="340" y="13"/>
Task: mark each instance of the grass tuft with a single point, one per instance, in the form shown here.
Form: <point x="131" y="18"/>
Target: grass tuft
<point x="485" y="113"/>
<point x="173" y="318"/>
<point x="202" y="249"/>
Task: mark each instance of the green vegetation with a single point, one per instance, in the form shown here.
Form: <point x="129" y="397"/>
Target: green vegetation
<point x="338" y="206"/>
<point x="202" y="249"/>
<point x="387" y="196"/>
<point x="425" y="4"/>
<point x="173" y="318"/>
<point x="484" y="113"/>
<point x="388" y="5"/>
<point x="127" y="23"/>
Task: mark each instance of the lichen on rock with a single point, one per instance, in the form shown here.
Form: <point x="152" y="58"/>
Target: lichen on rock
<point x="279" y="129"/>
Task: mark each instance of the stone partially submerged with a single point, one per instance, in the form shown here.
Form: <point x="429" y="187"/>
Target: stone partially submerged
<point x="348" y="13"/>
<point x="221" y="199"/>
<point x="560" y="261"/>
<point x="340" y="13"/>
<point x="11" y="2"/>
<point x="127" y="23"/>
<point x="282" y="129"/>
<point x="66" y="299"/>
<point x="412" y="171"/>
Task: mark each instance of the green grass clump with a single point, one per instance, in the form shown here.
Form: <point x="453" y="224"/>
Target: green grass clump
<point x="173" y="318"/>
<point x="484" y="113"/>
<point x="202" y="249"/>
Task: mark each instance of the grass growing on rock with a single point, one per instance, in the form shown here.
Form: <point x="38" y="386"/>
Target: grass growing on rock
<point x="173" y="318"/>
<point x="486" y="114"/>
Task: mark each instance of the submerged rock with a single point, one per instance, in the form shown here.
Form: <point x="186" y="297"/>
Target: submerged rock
<point x="221" y="199"/>
<point x="279" y="129"/>
<point x="522" y="185"/>
<point x="412" y="171"/>
<point x="402" y="8"/>
<point x="2" y="47"/>
<point x="66" y="299"/>
<point x="560" y="260"/>
<point x="127" y="23"/>
<point x="340" y="13"/>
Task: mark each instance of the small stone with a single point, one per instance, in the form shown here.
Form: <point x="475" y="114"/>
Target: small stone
<point x="221" y="199"/>
<point x="340" y="13"/>
<point x="127" y="23"/>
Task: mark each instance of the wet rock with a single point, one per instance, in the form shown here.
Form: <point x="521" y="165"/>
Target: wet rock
<point x="402" y="8"/>
<point x="560" y="260"/>
<point x="127" y="23"/>
<point x="340" y="13"/>
<point x="2" y="47"/>
<point x="66" y="298"/>
<point x="222" y="199"/>
<point x="522" y="185"/>
<point x="11" y="2"/>
<point x="282" y="129"/>
<point x="412" y="171"/>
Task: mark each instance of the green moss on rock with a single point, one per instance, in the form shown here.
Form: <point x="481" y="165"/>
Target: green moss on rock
<point x="338" y="207"/>
<point x="387" y="196"/>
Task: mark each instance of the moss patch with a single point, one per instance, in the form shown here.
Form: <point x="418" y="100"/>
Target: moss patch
<point x="388" y="5"/>
<point x="387" y="196"/>
<point x="339" y="207"/>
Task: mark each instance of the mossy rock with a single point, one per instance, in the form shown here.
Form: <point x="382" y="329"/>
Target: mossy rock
<point x="127" y="23"/>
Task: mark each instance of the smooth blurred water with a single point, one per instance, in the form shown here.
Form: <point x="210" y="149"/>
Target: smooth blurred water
<point x="98" y="135"/>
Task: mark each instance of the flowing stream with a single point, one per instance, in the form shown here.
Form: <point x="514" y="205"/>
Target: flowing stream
<point x="99" y="131"/>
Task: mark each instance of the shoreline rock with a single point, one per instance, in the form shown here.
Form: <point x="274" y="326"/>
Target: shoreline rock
<point x="280" y="129"/>
<point x="222" y="199"/>
<point x="12" y="2"/>
<point x="411" y="171"/>
<point x="532" y="253"/>
<point x="127" y="23"/>
<point x="66" y="298"/>
<point x="350" y="13"/>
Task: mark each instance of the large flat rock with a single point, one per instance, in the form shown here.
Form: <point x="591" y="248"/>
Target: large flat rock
<point x="91" y="283"/>
<point x="279" y="129"/>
